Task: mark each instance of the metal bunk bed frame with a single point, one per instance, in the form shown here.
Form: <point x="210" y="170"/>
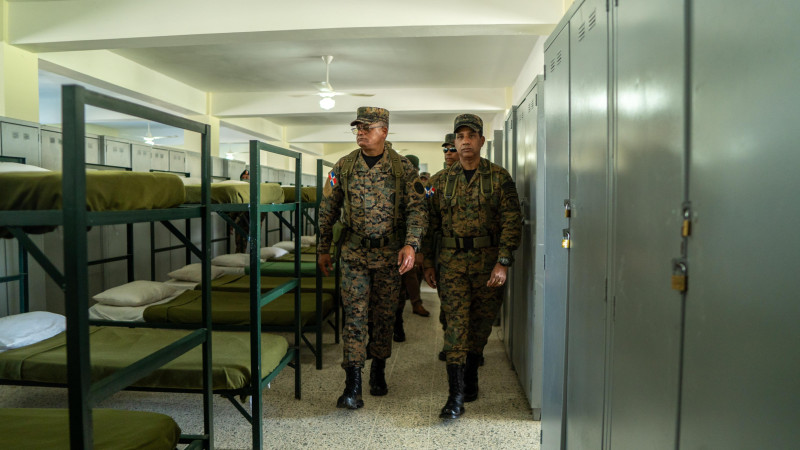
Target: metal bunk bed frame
<point x="83" y="394"/>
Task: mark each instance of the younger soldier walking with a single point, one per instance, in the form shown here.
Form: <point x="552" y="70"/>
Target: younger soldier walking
<point x="378" y="199"/>
<point x="475" y="223"/>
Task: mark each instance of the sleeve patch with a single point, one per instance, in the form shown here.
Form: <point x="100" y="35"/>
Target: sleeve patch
<point x="419" y="187"/>
<point x="510" y="188"/>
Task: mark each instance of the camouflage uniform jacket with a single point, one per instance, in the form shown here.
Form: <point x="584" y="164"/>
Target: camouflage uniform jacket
<point x="471" y="212"/>
<point x="372" y="194"/>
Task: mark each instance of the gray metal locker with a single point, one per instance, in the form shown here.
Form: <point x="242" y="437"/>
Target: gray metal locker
<point x="141" y="157"/>
<point x="235" y="168"/>
<point x="160" y="159"/>
<point x="116" y="153"/>
<point x="588" y="225"/>
<point x="194" y="165"/>
<point x="217" y="165"/>
<point x="51" y="149"/>
<point x="93" y="150"/>
<point x="648" y="191"/>
<point x="18" y="138"/>
<point x="741" y="360"/>
<point x="177" y="161"/>
<point x="556" y="103"/>
<point x="526" y="325"/>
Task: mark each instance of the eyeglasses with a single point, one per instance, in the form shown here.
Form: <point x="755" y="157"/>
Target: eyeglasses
<point x="449" y="149"/>
<point x="365" y="129"/>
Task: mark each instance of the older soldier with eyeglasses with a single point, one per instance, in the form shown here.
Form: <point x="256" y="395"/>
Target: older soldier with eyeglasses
<point x="376" y="196"/>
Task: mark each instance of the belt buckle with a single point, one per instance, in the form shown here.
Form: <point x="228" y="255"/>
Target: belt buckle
<point x="469" y="244"/>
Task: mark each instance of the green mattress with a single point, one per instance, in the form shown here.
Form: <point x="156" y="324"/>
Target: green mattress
<point x="241" y="283"/>
<point x="113" y="348"/>
<point x="285" y="268"/>
<point x="307" y="194"/>
<point x="305" y="257"/>
<point x="233" y="308"/>
<point x="236" y="193"/>
<point x="39" y="428"/>
<point x="109" y="190"/>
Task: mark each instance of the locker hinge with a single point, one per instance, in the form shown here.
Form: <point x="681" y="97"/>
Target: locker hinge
<point x="607" y="5"/>
<point x="541" y="433"/>
<point x="545" y="72"/>
<point x="686" y="224"/>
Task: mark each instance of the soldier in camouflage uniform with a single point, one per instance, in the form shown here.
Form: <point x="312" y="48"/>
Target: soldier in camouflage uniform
<point x="475" y="223"/>
<point x="376" y="195"/>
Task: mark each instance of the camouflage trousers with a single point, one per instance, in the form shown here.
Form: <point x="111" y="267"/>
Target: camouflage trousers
<point x="368" y="295"/>
<point x="470" y="307"/>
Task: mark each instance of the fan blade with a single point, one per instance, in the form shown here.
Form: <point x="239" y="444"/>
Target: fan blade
<point x="358" y="95"/>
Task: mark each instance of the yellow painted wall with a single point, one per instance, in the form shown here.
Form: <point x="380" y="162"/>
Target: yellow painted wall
<point x="19" y="84"/>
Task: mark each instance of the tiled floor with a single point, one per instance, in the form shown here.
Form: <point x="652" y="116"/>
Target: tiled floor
<point x="406" y="418"/>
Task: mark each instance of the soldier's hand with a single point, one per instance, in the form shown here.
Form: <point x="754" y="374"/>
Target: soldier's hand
<point x="430" y="277"/>
<point x="498" y="276"/>
<point x="325" y="263"/>
<point x="405" y="259"/>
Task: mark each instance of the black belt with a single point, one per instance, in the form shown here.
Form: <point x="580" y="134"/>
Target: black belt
<point x="367" y="242"/>
<point x="468" y="243"/>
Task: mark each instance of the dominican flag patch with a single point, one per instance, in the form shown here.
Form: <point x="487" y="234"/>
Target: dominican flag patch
<point x="332" y="179"/>
<point x="429" y="192"/>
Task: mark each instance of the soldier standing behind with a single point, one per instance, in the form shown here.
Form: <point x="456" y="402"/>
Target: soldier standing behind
<point x="475" y="217"/>
<point x="376" y="195"/>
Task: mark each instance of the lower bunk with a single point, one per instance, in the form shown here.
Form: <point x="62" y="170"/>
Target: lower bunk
<point x="44" y="363"/>
<point x="48" y="428"/>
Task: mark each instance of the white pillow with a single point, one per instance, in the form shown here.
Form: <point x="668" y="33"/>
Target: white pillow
<point x="223" y="182"/>
<point x="192" y="272"/>
<point x="308" y="241"/>
<point x="8" y="167"/>
<point x="29" y="328"/>
<point x="285" y="245"/>
<point x="273" y="252"/>
<point x="232" y="260"/>
<point x="135" y="293"/>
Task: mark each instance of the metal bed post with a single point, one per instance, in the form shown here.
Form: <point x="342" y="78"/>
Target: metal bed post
<point x="205" y="260"/>
<point x="254" y="242"/>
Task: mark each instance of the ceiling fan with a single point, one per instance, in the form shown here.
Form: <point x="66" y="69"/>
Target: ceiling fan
<point x="149" y="139"/>
<point x="326" y="91"/>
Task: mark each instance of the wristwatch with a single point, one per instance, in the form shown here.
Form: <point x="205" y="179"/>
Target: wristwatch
<point x="504" y="261"/>
<point x="415" y="247"/>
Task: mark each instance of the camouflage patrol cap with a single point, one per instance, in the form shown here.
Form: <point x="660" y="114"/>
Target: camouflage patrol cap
<point x="449" y="140"/>
<point x="425" y="175"/>
<point x="414" y="160"/>
<point x="468" y="120"/>
<point x="371" y="114"/>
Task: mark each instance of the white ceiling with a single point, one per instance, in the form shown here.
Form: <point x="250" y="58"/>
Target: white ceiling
<point x="253" y="59"/>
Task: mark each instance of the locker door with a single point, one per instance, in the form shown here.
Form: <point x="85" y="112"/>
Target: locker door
<point x="556" y="99"/>
<point x="22" y="141"/>
<point x="648" y="193"/>
<point x="524" y="325"/>
<point x="160" y="159"/>
<point x="741" y="373"/>
<point x="92" y="151"/>
<point x="177" y="161"/>
<point x="51" y="150"/>
<point x="588" y="224"/>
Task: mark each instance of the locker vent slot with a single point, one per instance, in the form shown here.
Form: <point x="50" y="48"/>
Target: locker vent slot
<point x="581" y="32"/>
<point x="558" y="57"/>
<point x="26" y="136"/>
<point x="552" y="65"/>
<point x="52" y="140"/>
<point x="530" y="106"/>
<point x="15" y="135"/>
<point x="593" y="19"/>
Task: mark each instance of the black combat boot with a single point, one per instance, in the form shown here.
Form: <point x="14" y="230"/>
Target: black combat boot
<point x="351" y="397"/>
<point x="471" y="377"/>
<point x="454" y="407"/>
<point x="399" y="332"/>
<point x="377" y="377"/>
